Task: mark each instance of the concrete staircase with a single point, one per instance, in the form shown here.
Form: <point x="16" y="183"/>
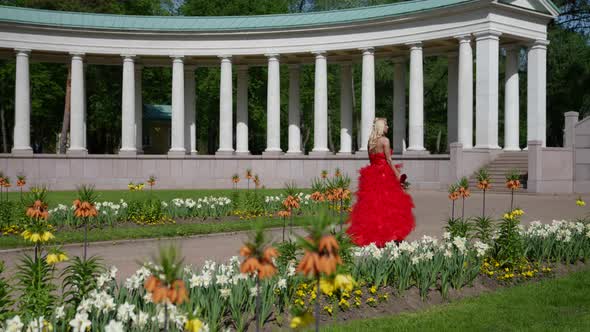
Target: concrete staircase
<point x="501" y="166"/>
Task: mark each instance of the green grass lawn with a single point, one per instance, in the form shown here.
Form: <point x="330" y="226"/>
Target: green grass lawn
<point x="551" y="305"/>
<point x="67" y="197"/>
<point x="151" y="231"/>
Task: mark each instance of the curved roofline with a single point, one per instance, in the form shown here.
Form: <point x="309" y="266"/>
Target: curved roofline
<point x="64" y="19"/>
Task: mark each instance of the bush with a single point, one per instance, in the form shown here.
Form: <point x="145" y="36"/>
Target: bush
<point x="147" y="212"/>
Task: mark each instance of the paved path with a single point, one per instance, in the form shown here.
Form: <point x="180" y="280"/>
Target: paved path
<point x="432" y="210"/>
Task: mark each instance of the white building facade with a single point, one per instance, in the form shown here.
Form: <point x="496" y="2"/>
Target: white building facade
<point x="473" y="34"/>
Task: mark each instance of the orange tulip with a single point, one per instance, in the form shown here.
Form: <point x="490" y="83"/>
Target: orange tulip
<point x="269" y="254"/>
<point x="266" y="271"/>
<point x="151" y="284"/>
<point x="329" y="244"/>
<point x="245" y="251"/>
<point x="250" y="265"/>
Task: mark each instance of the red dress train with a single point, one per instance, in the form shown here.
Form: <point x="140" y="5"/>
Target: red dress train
<point x="383" y="210"/>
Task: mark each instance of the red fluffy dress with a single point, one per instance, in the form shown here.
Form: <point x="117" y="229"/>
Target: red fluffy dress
<point x="383" y="210"/>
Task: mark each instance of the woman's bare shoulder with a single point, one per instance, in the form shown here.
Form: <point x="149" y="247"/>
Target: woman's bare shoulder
<point x="384" y="140"/>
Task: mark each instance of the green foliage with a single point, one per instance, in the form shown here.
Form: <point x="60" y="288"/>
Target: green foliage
<point x="5" y="299"/>
<point x="459" y="227"/>
<point x="483" y="229"/>
<point x="11" y="214"/>
<point x="34" y="284"/>
<point x="86" y="193"/>
<point x="79" y="278"/>
<point x="252" y="203"/>
<point x="169" y="264"/>
<point x="509" y="246"/>
<point x="146" y="212"/>
<point x="288" y="251"/>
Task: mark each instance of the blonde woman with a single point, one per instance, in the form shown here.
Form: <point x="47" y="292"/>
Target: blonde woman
<point x="383" y="210"/>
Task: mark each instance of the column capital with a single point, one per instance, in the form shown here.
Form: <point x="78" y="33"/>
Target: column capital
<point x="176" y="57"/>
<point x="538" y="44"/>
<point x="22" y="51"/>
<point x="128" y="56"/>
<point x="367" y="50"/>
<point x="319" y="53"/>
<point x="224" y="57"/>
<point x="272" y="55"/>
<point x="414" y="45"/>
<point x="399" y="59"/>
<point x="77" y="54"/>
<point x="487" y="34"/>
<point x="466" y="38"/>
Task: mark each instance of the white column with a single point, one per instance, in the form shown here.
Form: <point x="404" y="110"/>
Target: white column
<point x="399" y="105"/>
<point x="242" y="111"/>
<point x="465" y="93"/>
<point x="128" y="135"/>
<point x="294" y="110"/>
<point x="22" y="105"/>
<point x="368" y="96"/>
<point x="416" y="99"/>
<point x="486" y="89"/>
<point x="177" y="127"/>
<point x="225" y="107"/>
<point x="452" y="83"/>
<point x="536" y="91"/>
<point x="138" y="109"/>
<point x="77" y="107"/>
<point x="320" y="119"/>
<point x="273" y="106"/>
<point x="190" y="128"/>
<point x="511" y="100"/>
<point x="346" y="108"/>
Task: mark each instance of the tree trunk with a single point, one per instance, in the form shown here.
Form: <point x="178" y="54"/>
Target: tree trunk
<point x="63" y="138"/>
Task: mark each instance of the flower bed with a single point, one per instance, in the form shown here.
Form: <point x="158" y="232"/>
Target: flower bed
<point x="221" y="297"/>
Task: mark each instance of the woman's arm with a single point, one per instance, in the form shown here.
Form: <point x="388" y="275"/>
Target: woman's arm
<point x="387" y="151"/>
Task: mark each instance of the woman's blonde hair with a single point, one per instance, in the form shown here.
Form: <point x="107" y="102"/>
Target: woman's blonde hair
<point x="376" y="132"/>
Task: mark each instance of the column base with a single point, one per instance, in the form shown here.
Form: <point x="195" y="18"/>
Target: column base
<point x="77" y="152"/>
<point x="321" y="153"/>
<point x="294" y="153"/>
<point x="509" y="149"/>
<point x="194" y="153"/>
<point x="128" y="152"/>
<point x="176" y="153"/>
<point x="273" y="153"/>
<point x="224" y="153"/>
<point x="487" y="147"/>
<point x="26" y="151"/>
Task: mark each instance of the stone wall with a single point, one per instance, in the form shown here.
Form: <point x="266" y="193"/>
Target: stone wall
<point x="550" y="169"/>
<point x="115" y="172"/>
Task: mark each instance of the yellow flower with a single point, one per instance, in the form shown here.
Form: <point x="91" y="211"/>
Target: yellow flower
<point x="301" y="321"/>
<point x="373" y="290"/>
<point x="344" y="282"/>
<point x="326" y="287"/>
<point x="35" y="237"/>
<point x="26" y="235"/>
<point x="193" y="325"/>
<point x="47" y="236"/>
<point x="580" y="202"/>
<point x="358" y="292"/>
<point x="52" y="259"/>
<point x="328" y="309"/>
<point x="62" y="257"/>
<point x="343" y="303"/>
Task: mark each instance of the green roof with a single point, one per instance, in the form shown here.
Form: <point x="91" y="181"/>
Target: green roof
<point x="216" y="23"/>
<point x="157" y="112"/>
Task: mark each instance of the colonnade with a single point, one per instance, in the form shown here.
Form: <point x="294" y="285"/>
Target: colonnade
<point x="460" y="101"/>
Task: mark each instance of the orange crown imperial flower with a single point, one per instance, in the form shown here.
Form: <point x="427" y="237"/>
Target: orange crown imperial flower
<point x="284" y="213"/>
<point x="317" y="196"/>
